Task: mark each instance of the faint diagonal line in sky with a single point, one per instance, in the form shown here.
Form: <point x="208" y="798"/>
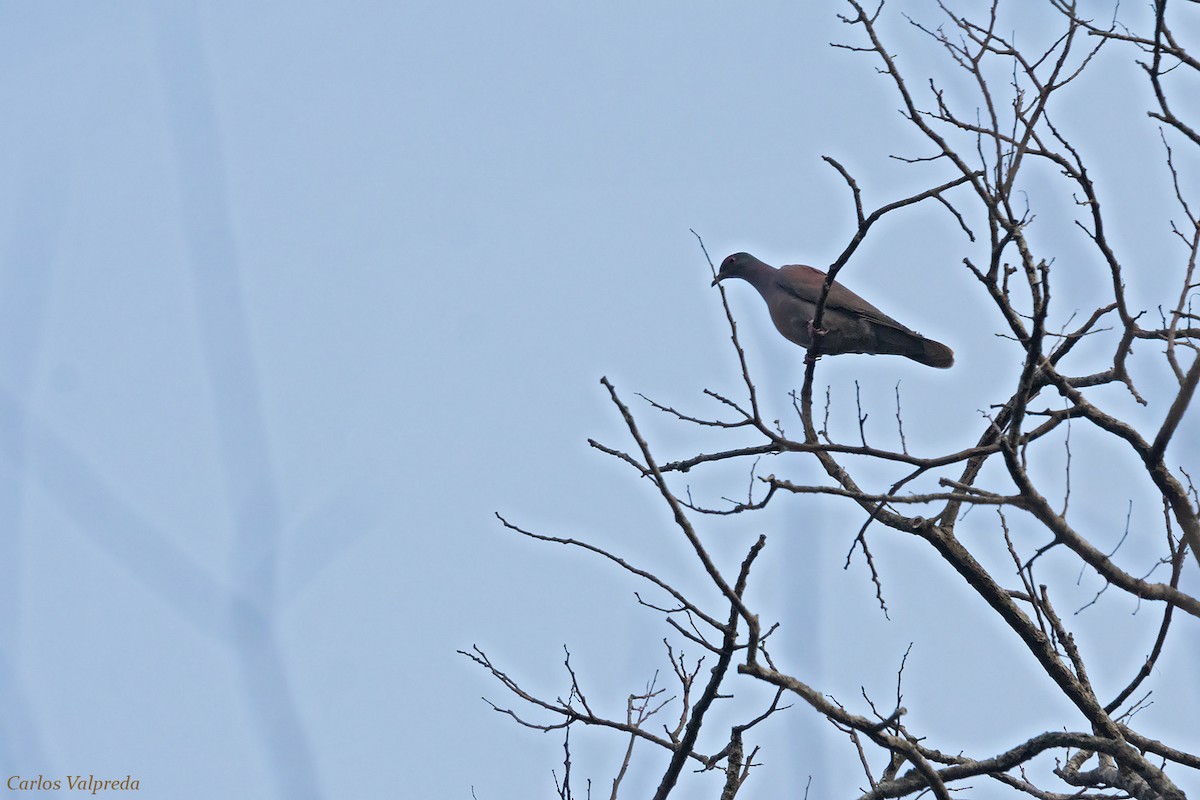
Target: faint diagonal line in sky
<point x="325" y="533"/>
<point x="80" y="491"/>
<point x="24" y="289"/>
<point x="113" y="525"/>
<point x="233" y="383"/>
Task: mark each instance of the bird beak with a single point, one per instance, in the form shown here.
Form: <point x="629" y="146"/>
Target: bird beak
<point x="716" y="280"/>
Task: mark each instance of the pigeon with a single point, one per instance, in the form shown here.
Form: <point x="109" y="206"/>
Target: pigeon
<point x="849" y="323"/>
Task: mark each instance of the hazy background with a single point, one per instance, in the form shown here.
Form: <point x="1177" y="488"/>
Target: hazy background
<point x="294" y="296"/>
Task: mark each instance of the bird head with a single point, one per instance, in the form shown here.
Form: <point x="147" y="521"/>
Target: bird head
<point x="735" y="266"/>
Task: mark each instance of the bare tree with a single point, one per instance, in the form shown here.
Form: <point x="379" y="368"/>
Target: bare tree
<point x="997" y="150"/>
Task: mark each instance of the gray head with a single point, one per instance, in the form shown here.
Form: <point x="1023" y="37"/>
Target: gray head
<point x="738" y="265"/>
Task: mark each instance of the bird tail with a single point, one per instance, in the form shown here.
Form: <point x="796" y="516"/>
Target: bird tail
<point x="933" y="354"/>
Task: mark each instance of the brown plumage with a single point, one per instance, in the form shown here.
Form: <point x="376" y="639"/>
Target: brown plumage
<point x="851" y="324"/>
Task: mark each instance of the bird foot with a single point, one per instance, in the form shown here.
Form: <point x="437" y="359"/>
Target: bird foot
<point x="814" y="337"/>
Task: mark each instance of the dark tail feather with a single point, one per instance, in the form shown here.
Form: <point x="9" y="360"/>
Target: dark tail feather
<point x="910" y="344"/>
<point x="934" y="354"/>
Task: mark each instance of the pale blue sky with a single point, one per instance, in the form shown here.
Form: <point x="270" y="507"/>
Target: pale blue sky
<point x="293" y="297"/>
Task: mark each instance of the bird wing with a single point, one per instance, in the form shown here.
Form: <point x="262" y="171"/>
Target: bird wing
<point x="805" y="284"/>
